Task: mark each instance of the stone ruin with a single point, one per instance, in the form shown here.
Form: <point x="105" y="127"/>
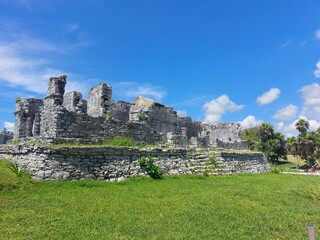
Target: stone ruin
<point x="5" y="136"/>
<point x="61" y="117"/>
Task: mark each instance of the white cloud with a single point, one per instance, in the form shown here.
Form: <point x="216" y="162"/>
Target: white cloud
<point x="219" y="106"/>
<point x="286" y="44"/>
<point x="311" y="101"/>
<point x="250" y="121"/>
<point x="289" y="130"/>
<point x="269" y="97"/>
<point x="286" y="113"/>
<point x="317" y="34"/>
<point x="21" y="65"/>
<point x="317" y="71"/>
<point x="9" y="126"/>
<point x="133" y="89"/>
<point x="181" y="113"/>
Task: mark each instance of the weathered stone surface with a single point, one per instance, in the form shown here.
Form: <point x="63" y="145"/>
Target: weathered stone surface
<point x="99" y="100"/>
<point x="161" y="118"/>
<point x="73" y="102"/>
<point x="112" y="163"/>
<point x="5" y="136"/>
<point x="67" y="117"/>
<point x="27" y="117"/>
<point x="56" y="86"/>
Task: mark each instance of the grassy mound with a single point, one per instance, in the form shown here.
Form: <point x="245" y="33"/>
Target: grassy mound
<point x="264" y="206"/>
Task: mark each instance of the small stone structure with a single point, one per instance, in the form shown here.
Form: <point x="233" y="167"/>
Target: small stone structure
<point x="64" y="116"/>
<point x="116" y="163"/>
<point x="5" y="136"/>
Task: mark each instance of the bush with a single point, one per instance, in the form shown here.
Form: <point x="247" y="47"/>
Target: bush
<point x="17" y="169"/>
<point x="213" y="160"/>
<point x="276" y="170"/>
<point x="109" y="116"/>
<point x="143" y="117"/>
<point x="153" y="170"/>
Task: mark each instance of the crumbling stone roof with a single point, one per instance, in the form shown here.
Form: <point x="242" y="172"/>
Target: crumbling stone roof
<point x="146" y="102"/>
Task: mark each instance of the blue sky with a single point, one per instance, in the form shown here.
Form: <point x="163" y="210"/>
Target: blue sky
<point x="215" y="61"/>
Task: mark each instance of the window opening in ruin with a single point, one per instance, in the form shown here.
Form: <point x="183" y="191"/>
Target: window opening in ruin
<point x="229" y="139"/>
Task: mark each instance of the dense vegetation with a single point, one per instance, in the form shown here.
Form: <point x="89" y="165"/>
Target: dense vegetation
<point x="306" y="145"/>
<point x="264" y="206"/>
<point x="263" y="138"/>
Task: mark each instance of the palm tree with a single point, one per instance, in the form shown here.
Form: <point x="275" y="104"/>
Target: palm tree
<point x="302" y="126"/>
<point x="292" y="148"/>
<point x="266" y="131"/>
<point x="307" y="146"/>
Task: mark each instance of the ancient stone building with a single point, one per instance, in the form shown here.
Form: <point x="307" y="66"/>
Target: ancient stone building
<point x="64" y="116"/>
<point x="5" y="136"/>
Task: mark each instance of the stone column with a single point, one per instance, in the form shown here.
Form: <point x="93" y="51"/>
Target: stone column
<point x="36" y="130"/>
<point x="29" y="127"/>
<point x="56" y="90"/>
<point x="99" y="100"/>
<point x="184" y="131"/>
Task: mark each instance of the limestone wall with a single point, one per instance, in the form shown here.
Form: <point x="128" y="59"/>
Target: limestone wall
<point x="120" y="110"/>
<point x="27" y="117"/>
<point x="193" y="127"/>
<point x="99" y="100"/>
<point x="112" y="163"/>
<point x="226" y="132"/>
<point x="6" y="152"/>
<point x="160" y="118"/>
<point x="73" y="102"/>
<point x="58" y="123"/>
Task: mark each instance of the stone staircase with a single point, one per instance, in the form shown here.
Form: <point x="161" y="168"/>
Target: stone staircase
<point x="205" y="163"/>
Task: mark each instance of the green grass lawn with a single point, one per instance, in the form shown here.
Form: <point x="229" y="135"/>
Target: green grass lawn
<point x="261" y="206"/>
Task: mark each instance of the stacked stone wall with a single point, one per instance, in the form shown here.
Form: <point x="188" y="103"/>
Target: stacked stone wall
<point x="112" y="163"/>
<point x="235" y="145"/>
<point x="6" y="152"/>
<point x="59" y="124"/>
<point x="226" y="132"/>
<point x="120" y="110"/>
<point x="193" y="127"/>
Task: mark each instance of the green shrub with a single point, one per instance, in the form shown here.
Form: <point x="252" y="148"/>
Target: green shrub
<point x="153" y="170"/>
<point x="119" y="141"/>
<point x="213" y="160"/>
<point x="109" y="116"/>
<point x="16" y="141"/>
<point x="276" y="170"/>
<point x="143" y="117"/>
<point x="18" y="170"/>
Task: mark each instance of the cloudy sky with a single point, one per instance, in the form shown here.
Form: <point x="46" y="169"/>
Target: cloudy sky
<point x="222" y="60"/>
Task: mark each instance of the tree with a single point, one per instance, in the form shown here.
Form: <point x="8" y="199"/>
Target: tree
<point x="266" y="131"/>
<point x="292" y="148"/>
<point x="302" y="126"/>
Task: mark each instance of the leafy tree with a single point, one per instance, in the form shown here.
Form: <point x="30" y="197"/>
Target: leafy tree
<point x="266" y="131"/>
<point x="263" y="138"/>
<point x="292" y="148"/>
<point x="302" y="126"/>
<point x="250" y="134"/>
